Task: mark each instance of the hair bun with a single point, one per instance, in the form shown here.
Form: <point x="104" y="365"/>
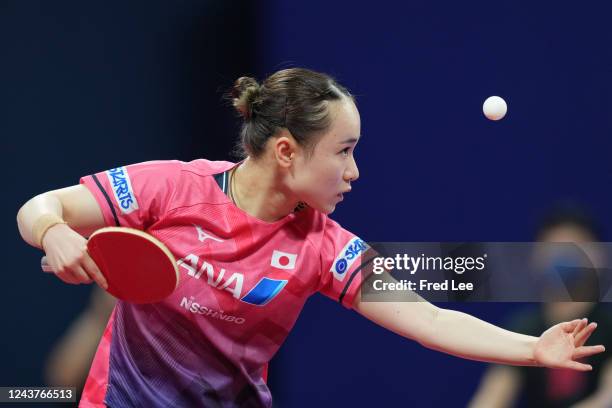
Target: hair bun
<point x="244" y="93"/>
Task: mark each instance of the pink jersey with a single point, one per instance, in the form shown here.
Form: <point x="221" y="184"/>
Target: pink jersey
<point x="243" y="283"/>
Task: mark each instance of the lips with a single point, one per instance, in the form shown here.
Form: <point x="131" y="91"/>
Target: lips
<point x="341" y="195"/>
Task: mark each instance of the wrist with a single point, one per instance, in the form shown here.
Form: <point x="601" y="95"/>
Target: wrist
<point x="531" y="354"/>
<point x="50" y="234"/>
<point x="42" y="225"/>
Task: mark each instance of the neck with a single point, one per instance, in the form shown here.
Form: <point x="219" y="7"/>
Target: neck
<point x="258" y="191"/>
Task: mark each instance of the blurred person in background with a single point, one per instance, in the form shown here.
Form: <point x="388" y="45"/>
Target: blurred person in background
<point x="69" y="360"/>
<point x="506" y="386"/>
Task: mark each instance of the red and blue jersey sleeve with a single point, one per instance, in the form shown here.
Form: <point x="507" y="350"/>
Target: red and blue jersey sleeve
<point x="341" y="260"/>
<point x="136" y="195"/>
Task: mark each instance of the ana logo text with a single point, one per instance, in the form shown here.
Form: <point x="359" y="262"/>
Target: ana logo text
<point x="263" y="292"/>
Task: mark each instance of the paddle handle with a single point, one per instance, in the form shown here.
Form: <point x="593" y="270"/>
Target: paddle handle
<point x="44" y="265"/>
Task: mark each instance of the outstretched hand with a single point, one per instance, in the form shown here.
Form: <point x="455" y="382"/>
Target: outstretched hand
<point x="563" y="344"/>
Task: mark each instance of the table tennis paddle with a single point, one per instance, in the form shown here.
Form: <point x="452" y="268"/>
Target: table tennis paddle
<point x="138" y="267"/>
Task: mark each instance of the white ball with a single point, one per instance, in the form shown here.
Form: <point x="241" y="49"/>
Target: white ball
<point x="494" y="108"/>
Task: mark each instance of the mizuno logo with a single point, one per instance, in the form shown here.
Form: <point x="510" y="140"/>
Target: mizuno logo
<point x="203" y="235"/>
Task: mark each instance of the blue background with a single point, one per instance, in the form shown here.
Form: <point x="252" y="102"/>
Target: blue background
<point x="89" y="86"/>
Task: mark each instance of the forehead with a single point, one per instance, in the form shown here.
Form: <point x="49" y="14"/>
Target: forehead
<point x="345" y="122"/>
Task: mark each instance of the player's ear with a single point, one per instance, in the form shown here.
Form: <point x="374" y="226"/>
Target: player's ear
<point x="285" y="148"/>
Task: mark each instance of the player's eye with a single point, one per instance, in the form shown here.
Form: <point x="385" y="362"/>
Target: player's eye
<point x="345" y="151"/>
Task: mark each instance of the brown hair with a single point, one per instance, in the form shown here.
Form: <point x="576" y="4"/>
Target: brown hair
<point x="296" y="99"/>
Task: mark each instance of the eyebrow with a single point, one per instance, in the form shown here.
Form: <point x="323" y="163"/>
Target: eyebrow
<point x="350" y="140"/>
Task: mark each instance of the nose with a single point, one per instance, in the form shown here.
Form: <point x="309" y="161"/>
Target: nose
<point x="352" y="172"/>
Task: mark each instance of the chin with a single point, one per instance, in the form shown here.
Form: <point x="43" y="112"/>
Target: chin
<point x="329" y="209"/>
<point x="323" y="208"/>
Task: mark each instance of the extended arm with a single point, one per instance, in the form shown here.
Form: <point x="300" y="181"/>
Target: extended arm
<point x="466" y="336"/>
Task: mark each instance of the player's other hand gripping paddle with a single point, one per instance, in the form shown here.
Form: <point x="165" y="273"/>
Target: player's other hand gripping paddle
<point x="138" y="267"/>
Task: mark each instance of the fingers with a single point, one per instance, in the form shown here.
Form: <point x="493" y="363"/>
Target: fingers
<point x="586" y="351"/>
<point x="94" y="272"/>
<point x="79" y="273"/>
<point x="67" y="255"/>
<point x="581" y="325"/>
<point x="581" y="337"/>
<point x="67" y="277"/>
<point x="74" y="275"/>
<point x="574" y="365"/>
<point x="569" y="327"/>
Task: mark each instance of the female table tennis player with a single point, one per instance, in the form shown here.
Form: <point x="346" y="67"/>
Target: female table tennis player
<point x="253" y="241"/>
